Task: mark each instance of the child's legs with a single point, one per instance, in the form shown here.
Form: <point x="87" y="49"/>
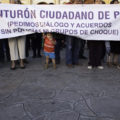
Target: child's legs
<point x="53" y="61"/>
<point x="46" y="57"/>
<point x="52" y="56"/>
<point x="54" y="64"/>
<point x="47" y="60"/>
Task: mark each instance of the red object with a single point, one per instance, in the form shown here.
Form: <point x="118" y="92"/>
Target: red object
<point x="48" y="45"/>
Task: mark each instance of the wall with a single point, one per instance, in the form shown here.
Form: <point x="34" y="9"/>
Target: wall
<point x="32" y="1"/>
<point x="23" y="1"/>
<point x="54" y="1"/>
<point x="47" y="1"/>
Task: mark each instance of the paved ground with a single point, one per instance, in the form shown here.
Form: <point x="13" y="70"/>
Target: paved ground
<point x="61" y="94"/>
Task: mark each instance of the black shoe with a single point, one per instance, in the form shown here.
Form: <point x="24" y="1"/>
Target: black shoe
<point x="12" y="68"/>
<point x="77" y="64"/>
<point x="34" y="56"/>
<point x="39" y="56"/>
<point x="26" y="61"/>
<point x="82" y="57"/>
<point x="22" y="65"/>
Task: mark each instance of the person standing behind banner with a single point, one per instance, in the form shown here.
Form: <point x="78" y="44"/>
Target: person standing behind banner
<point x="1" y="51"/>
<point x="82" y="41"/>
<point x="72" y="45"/>
<point x="36" y="41"/>
<point x="96" y="50"/>
<point x="17" y="47"/>
<point x="114" y="47"/>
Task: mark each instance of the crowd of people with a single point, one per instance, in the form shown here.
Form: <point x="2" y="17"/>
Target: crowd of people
<point x="17" y="49"/>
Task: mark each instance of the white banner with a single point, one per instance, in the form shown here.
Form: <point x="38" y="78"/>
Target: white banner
<point x="90" y="22"/>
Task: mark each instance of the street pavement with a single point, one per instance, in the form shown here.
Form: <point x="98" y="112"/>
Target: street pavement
<point x="66" y="93"/>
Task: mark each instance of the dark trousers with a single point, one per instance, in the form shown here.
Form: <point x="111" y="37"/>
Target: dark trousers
<point x="4" y="50"/>
<point x="81" y="52"/>
<point x="7" y="50"/>
<point x="1" y="51"/>
<point x="36" y="46"/>
<point x="57" y="51"/>
<point x="27" y="45"/>
<point x="72" y="50"/>
<point x="95" y="52"/>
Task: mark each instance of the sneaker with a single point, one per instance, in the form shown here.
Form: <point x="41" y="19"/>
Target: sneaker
<point x="100" y="67"/>
<point x="89" y="67"/>
<point x="118" y="66"/>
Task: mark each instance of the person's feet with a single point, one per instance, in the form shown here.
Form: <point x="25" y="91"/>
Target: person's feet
<point x="13" y="66"/>
<point x="100" y="67"/>
<point x="89" y="67"/>
<point x="118" y="66"/>
<point x="115" y="64"/>
<point x="69" y="65"/>
<point x="82" y="57"/>
<point x="22" y="65"/>
<point x="109" y="64"/>
<point x="77" y="64"/>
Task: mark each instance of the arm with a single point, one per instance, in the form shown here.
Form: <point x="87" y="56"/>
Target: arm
<point x="53" y="42"/>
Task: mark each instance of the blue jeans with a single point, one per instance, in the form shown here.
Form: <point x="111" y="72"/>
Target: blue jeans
<point x="72" y="50"/>
<point x="50" y="54"/>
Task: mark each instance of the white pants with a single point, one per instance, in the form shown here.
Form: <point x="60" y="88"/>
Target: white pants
<point x="17" y="47"/>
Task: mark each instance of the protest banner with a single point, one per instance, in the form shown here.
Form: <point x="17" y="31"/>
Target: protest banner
<point x="90" y="22"/>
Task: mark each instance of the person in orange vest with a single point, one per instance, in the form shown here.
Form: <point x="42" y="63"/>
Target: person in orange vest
<point x="49" y="49"/>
